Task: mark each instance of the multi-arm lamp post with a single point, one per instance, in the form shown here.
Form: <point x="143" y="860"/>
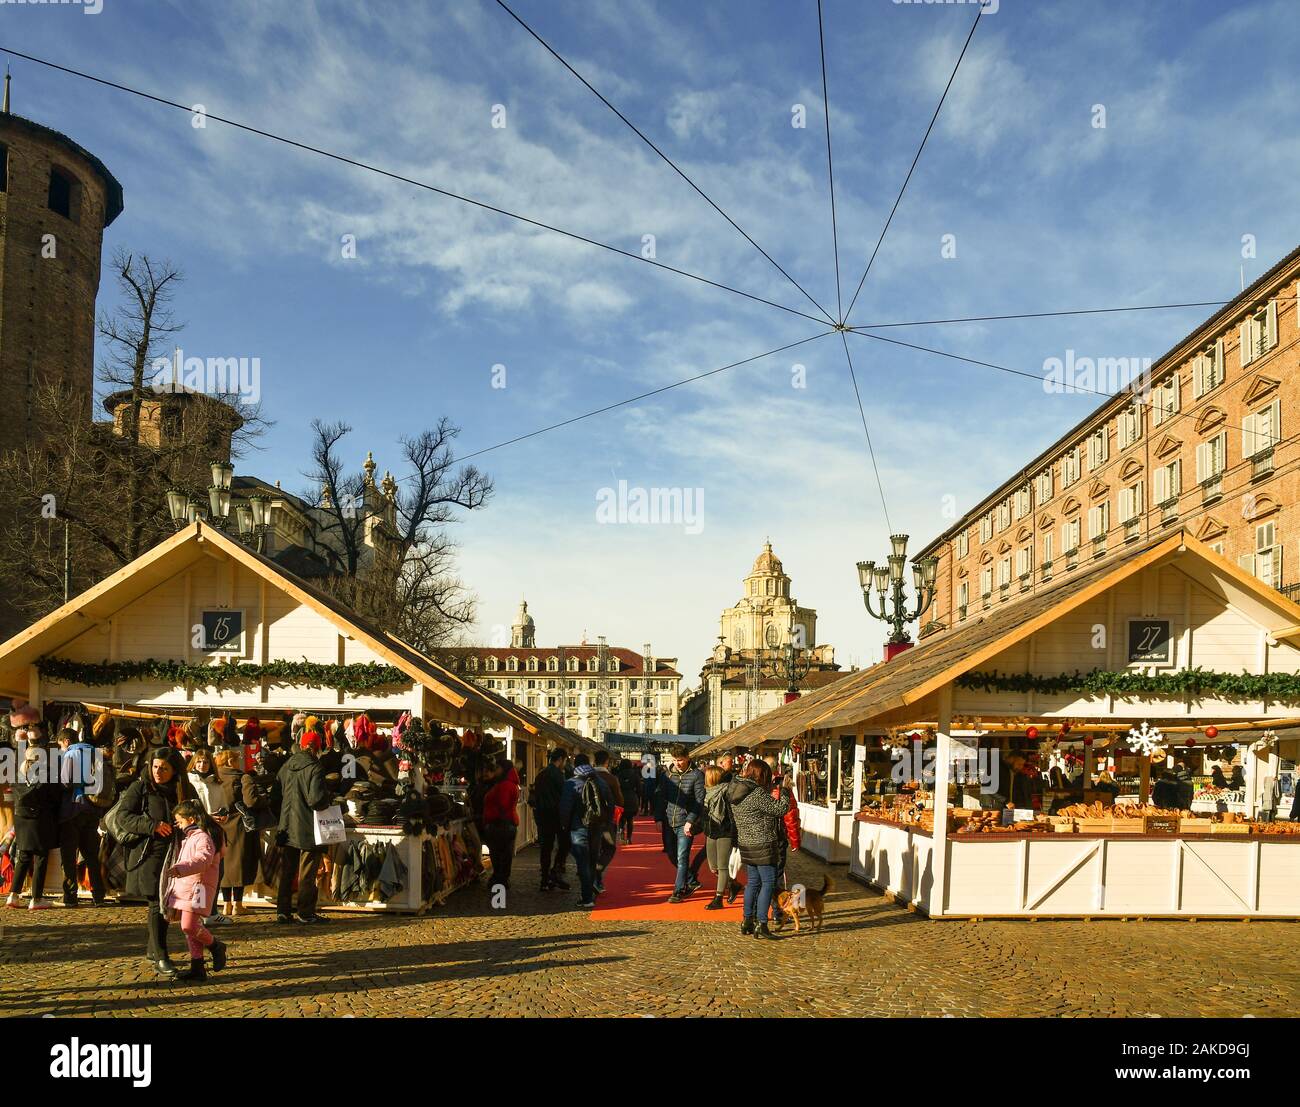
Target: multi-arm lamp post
<point x="788" y="663"/>
<point x="888" y="582"/>
<point x="251" y="519"/>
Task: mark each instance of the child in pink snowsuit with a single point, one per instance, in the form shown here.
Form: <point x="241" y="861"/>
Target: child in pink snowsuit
<point x="192" y="887"/>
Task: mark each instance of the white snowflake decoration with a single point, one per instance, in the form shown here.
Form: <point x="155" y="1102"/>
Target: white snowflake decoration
<point x="894" y="742"/>
<point x="1145" y="739"/>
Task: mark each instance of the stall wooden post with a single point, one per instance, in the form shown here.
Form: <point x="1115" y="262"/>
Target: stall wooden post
<point x="943" y="757"/>
<point x="1144" y="778"/>
<point x="1252" y="781"/>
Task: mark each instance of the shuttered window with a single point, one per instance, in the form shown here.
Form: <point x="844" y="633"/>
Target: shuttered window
<point x="1070" y="468"/>
<point x="1207" y="369"/>
<point x="1168" y="482"/>
<point x="1211" y="457"/>
<point x="1099" y="520"/>
<point x="1130" y="502"/>
<point x="1266" y="562"/>
<point x="1258" y="333"/>
<point x="1129" y="427"/>
<point x="1098" y="449"/>
<point x="1165" y="400"/>
<point x="1024" y="502"/>
<point x="1262" y="430"/>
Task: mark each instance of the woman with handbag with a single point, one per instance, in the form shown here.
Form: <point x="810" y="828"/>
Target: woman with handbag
<point x="719" y="836"/>
<point x="143" y="818"/>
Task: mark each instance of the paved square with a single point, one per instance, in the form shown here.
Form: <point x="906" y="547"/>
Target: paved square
<point x="544" y="957"/>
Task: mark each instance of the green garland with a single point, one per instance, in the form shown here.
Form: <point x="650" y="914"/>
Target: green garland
<point x="360" y="677"/>
<point x="1099" y="682"/>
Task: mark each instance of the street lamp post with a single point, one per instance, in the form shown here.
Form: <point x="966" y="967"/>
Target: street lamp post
<point x="219" y="494"/>
<point x="891" y="603"/>
<point x="252" y="520"/>
<point x="259" y="509"/>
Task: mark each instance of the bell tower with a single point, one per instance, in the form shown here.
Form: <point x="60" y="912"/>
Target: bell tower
<point x="56" y="198"/>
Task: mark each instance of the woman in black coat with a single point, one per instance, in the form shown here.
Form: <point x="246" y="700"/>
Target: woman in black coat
<point x="36" y="826"/>
<point x="146" y="815"/>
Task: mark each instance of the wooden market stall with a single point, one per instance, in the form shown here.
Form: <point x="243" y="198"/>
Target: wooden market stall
<point x="1061" y="716"/>
<point x="200" y="625"/>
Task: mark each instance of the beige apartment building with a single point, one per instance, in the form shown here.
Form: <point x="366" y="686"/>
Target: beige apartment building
<point x="1208" y="439"/>
<point x="588" y="688"/>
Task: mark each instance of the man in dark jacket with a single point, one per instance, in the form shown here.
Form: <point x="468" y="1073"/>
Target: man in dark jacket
<point x="544" y="797"/>
<point x="82" y="770"/>
<point x="303" y="790"/>
<point x="629" y="783"/>
<point x="584" y="828"/>
<point x="679" y="807"/>
<point x="609" y="832"/>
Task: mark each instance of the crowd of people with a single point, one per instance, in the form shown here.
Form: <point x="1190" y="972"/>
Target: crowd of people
<point x="746" y="814"/>
<point x="185" y="823"/>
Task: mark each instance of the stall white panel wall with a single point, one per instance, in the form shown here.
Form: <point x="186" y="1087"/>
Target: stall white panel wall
<point x="1218" y="878"/>
<point x="895" y="860"/>
<point x="982" y="877"/>
<point x="1279" y="878"/>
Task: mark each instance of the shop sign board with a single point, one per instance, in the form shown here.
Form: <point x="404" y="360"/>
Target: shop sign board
<point x="222" y="631"/>
<point x="1161" y="824"/>
<point x="1149" y="642"/>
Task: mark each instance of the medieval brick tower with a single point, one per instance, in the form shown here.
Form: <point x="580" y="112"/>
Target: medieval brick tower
<point x="55" y="201"/>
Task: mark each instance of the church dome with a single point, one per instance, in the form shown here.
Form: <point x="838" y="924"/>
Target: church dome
<point x="767" y="561"/>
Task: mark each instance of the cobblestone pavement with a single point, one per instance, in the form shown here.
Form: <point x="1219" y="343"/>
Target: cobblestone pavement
<point x="543" y="957"/>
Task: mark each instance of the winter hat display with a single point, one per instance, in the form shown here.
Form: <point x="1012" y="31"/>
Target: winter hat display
<point x="22" y="713"/>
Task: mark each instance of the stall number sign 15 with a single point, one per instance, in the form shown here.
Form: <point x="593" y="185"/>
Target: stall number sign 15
<point x="221" y="630"/>
<point x="1149" y="641"/>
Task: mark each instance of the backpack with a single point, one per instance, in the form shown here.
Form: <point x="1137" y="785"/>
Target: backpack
<point x="595" y="812"/>
<point x="106" y="797"/>
<point x="715" y="806"/>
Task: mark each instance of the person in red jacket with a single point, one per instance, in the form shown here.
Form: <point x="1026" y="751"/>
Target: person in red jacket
<point x="782" y="790"/>
<point x="501" y="820"/>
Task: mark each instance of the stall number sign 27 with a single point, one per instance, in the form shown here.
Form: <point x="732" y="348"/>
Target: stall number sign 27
<point x="220" y="630"/>
<point x="1149" y="641"/>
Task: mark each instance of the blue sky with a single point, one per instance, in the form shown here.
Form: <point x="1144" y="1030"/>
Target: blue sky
<point x="1201" y="146"/>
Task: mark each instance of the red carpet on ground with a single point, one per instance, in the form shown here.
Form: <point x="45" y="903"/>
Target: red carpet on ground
<point x="640" y="879"/>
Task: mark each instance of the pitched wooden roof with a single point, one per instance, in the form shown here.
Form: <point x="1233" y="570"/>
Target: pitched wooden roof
<point x="943" y="657"/>
<point x="197" y="541"/>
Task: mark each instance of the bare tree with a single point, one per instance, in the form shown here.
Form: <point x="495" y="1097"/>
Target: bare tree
<point x="395" y="557"/>
<point x="101" y="486"/>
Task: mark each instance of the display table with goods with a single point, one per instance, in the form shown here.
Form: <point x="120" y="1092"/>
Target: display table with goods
<point x="1076" y="850"/>
<point x="406" y="848"/>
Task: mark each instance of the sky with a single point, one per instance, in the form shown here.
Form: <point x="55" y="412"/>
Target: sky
<point x="1021" y="202"/>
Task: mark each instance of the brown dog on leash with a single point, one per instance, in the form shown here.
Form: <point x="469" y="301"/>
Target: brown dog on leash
<point x="813" y="902"/>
